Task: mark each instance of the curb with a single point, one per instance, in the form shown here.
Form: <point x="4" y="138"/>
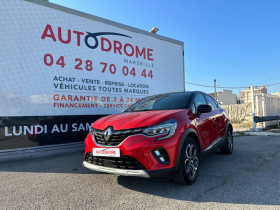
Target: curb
<point x="256" y="133"/>
<point x="262" y="133"/>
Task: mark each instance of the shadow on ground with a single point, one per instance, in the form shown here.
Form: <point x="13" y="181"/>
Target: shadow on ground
<point x="249" y="176"/>
<point x="63" y="163"/>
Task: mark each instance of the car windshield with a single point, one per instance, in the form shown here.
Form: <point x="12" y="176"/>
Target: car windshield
<point x="161" y="102"/>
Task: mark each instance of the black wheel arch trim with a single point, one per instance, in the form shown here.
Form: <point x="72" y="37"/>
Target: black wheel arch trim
<point x="182" y="140"/>
<point x="228" y="125"/>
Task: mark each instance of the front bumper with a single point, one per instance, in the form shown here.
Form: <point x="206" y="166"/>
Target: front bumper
<point x="140" y="147"/>
<point x="124" y="172"/>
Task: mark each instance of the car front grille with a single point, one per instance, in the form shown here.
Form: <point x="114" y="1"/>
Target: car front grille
<point x="124" y="162"/>
<point x="115" y="138"/>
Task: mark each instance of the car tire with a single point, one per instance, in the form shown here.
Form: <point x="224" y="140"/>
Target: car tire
<point x="227" y="148"/>
<point x="188" y="167"/>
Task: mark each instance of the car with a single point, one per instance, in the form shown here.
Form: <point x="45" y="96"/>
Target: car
<point x="160" y="135"/>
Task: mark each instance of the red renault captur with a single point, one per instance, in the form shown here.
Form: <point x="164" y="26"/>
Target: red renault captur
<point x="160" y="135"/>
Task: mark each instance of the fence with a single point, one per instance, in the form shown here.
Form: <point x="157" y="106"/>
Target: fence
<point x="267" y="105"/>
<point x="264" y="105"/>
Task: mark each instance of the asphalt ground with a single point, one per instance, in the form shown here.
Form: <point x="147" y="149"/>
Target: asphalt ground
<point x="247" y="179"/>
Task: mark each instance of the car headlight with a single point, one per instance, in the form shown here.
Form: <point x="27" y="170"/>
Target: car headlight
<point x="168" y="127"/>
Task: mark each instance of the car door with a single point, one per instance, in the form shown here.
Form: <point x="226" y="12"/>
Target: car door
<point x="220" y="118"/>
<point x="204" y="123"/>
<point x="216" y="113"/>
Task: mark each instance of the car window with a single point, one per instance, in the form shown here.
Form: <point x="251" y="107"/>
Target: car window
<point x="210" y="101"/>
<point x="161" y="102"/>
<point x="216" y="102"/>
<point x="199" y="99"/>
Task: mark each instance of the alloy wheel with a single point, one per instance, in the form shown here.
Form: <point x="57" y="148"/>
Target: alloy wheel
<point x="230" y="140"/>
<point x="191" y="162"/>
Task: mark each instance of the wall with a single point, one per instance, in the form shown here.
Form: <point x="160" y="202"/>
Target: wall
<point x="240" y="115"/>
<point x="265" y="105"/>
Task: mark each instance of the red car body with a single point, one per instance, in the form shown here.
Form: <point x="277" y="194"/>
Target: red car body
<point x="208" y="130"/>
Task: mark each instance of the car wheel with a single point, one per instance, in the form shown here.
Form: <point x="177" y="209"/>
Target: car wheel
<point x="189" y="163"/>
<point x="228" y="146"/>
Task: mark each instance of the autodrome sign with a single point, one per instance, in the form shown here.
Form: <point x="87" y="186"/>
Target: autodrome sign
<point x="66" y="64"/>
<point x="62" y="69"/>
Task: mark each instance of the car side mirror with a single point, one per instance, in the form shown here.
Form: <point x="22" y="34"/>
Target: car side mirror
<point x="203" y="108"/>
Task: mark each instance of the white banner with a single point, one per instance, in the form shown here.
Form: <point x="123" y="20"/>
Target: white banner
<point x="57" y="63"/>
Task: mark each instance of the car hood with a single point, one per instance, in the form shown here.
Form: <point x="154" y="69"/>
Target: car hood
<point x="129" y="120"/>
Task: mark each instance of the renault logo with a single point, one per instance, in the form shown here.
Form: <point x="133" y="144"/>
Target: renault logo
<point x="107" y="134"/>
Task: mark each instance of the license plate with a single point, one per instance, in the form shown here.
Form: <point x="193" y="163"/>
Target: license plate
<point x="106" y="152"/>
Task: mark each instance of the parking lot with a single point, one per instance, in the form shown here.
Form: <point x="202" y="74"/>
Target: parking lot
<point x="249" y="178"/>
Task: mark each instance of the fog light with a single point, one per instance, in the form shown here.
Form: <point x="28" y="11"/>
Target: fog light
<point x="157" y="152"/>
<point x="162" y="159"/>
<point x="161" y="155"/>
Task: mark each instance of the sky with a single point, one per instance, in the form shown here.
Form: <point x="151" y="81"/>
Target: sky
<point x="236" y="42"/>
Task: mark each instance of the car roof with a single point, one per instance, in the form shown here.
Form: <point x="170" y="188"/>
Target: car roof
<point x="188" y="92"/>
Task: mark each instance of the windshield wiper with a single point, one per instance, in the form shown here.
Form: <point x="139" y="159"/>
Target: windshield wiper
<point x="140" y="110"/>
